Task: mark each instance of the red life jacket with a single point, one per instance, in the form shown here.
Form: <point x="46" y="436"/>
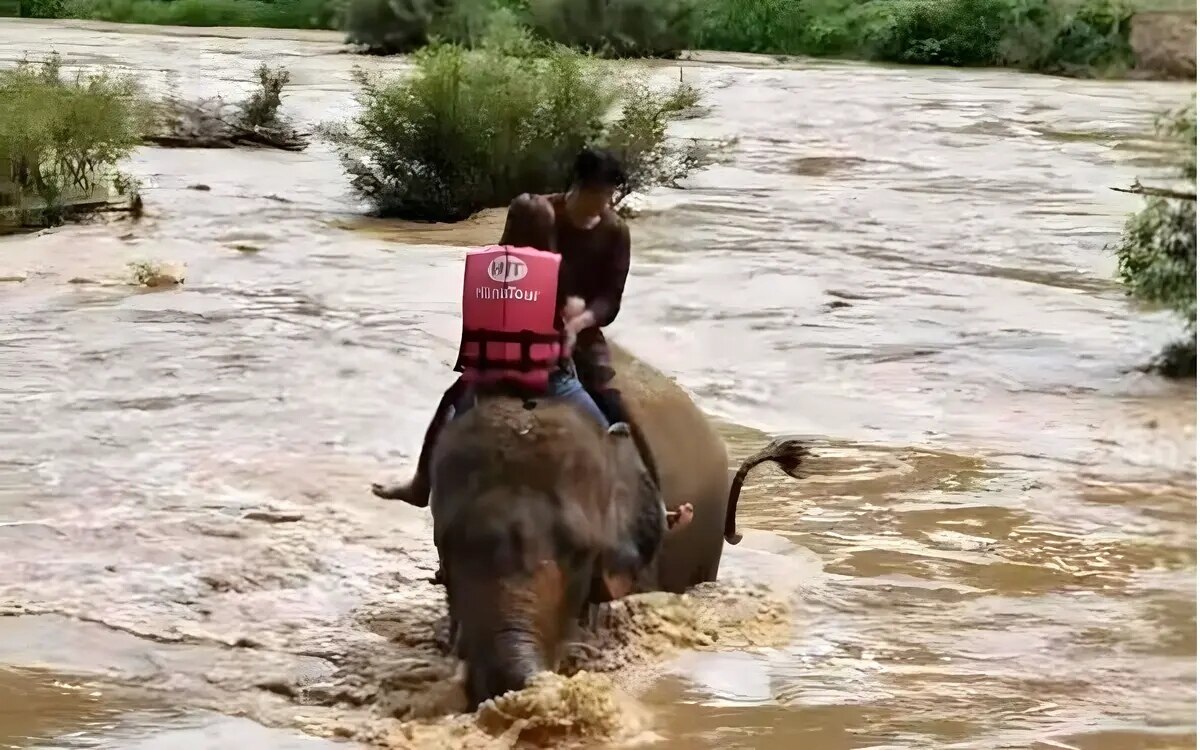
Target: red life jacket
<point x="510" y="297"/>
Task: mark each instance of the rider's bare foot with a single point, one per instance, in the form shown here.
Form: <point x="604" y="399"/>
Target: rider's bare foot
<point x="679" y="518"/>
<point x="412" y="493"/>
<point x="390" y="491"/>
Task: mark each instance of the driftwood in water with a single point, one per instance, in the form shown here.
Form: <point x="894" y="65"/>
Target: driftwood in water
<point x="1156" y="192"/>
<point x="15" y="219"/>
<point x="215" y="123"/>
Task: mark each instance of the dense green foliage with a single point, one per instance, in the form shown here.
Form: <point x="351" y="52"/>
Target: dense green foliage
<point x="616" y="28"/>
<point x="1156" y="257"/>
<point x="1037" y="34"/>
<point x="613" y="28"/>
<point x="42" y="8"/>
<point x="283" y="14"/>
<point x="61" y="138"/>
<point x="1058" y="36"/>
<point x="472" y="129"/>
<point x="392" y="26"/>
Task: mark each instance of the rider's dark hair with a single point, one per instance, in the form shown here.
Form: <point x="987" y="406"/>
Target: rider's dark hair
<point x="598" y="168"/>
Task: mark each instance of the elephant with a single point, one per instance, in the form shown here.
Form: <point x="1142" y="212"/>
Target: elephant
<point x="692" y="467"/>
<point x="539" y="513"/>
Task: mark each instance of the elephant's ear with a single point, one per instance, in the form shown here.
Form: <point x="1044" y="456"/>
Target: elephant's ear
<point x="635" y="521"/>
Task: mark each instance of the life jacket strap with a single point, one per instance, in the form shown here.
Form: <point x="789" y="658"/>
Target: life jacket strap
<point x="525" y="363"/>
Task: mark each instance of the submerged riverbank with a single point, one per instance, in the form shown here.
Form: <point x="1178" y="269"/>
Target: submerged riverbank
<point x="997" y="546"/>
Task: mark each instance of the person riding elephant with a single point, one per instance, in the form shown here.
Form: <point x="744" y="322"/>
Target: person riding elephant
<point x="543" y="504"/>
<point x="593" y="245"/>
<point x="540" y="513"/>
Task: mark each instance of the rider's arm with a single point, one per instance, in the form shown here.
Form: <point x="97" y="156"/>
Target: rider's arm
<point x="607" y="303"/>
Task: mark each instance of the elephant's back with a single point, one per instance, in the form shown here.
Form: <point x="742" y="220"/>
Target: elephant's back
<point x="533" y="447"/>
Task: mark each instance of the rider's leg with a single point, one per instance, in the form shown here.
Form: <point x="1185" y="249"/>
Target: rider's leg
<point x="566" y="386"/>
<point x="416" y="490"/>
<point x="593" y="362"/>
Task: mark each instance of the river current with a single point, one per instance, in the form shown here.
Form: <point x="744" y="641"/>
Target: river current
<point x="996" y="547"/>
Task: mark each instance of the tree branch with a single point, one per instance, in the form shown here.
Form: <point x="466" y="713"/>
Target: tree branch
<point x="1139" y="189"/>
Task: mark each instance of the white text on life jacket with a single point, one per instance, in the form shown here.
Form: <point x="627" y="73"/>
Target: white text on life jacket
<point x="508" y="292"/>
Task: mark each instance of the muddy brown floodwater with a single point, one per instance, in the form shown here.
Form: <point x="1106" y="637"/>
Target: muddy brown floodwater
<point x="996" y="548"/>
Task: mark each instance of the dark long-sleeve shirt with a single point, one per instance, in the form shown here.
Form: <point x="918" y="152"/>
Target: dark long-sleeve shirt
<point x="595" y="262"/>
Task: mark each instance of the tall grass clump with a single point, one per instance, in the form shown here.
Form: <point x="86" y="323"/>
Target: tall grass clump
<point x="281" y="14"/>
<point x="472" y="129"/>
<point x="1156" y="257"/>
<point x="61" y="137"/>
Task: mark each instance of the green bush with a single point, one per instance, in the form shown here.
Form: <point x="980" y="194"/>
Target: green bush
<point x="283" y="14"/>
<point x="474" y="129"/>
<point x="639" y="137"/>
<point x="1156" y="257"/>
<point x="616" y="28"/>
<point x="61" y="138"/>
<point x="261" y="109"/>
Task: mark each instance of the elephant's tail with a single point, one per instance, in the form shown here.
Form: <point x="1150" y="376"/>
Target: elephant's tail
<point x="787" y="454"/>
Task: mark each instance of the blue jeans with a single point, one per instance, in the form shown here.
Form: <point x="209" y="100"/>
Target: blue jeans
<point x="564" y="385"/>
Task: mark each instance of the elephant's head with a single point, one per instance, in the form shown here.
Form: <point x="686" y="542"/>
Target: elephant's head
<point x="533" y="522"/>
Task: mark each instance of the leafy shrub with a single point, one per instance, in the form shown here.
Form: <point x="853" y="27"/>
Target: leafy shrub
<point x="616" y="28"/>
<point x="474" y="129"/>
<point x="61" y="139"/>
<point x="261" y="109"/>
<point x="639" y="137"/>
<point x="1156" y="257"/>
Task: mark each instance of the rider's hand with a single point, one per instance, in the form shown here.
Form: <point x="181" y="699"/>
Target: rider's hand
<point x="573" y="308"/>
<point x="576" y="318"/>
<point x="578" y="323"/>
